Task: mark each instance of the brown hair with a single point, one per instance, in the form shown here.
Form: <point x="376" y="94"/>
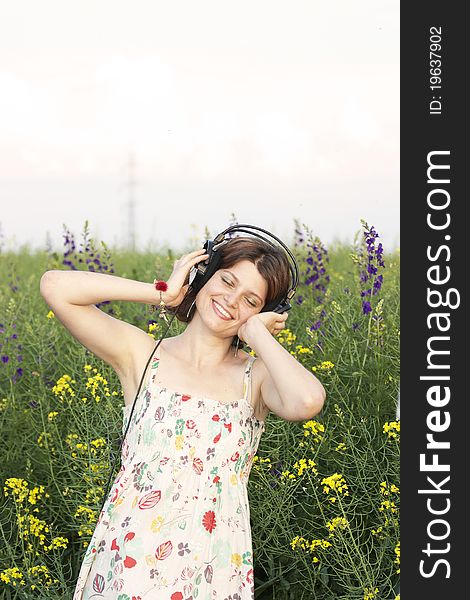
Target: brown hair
<point x="271" y="262"/>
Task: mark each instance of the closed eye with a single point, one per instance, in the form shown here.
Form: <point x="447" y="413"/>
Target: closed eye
<point x="231" y="285"/>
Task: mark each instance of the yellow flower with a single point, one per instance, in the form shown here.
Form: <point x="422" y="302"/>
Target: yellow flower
<point x="326" y="365"/>
<point x="302" y="466"/>
<point x="392" y="429"/>
<point x="11" y="576"/>
<point x="94" y="494"/>
<point x="311" y="547"/>
<point x="336" y="523"/>
<point x="385" y="490"/>
<point x="370" y="593"/>
<point x="341" y="447"/>
<point x="50" y="315"/>
<point x="58" y="542"/>
<point x="388" y="505"/>
<point x="315" y="429"/>
<point x="334" y="305"/>
<point x="286" y="336"/>
<point x="93" y="383"/>
<point x="287" y="475"/>
<point x="44" y="440"/>
<point x="34" y="494"/>
<point x="41" y="571"/>
<point x="378" y="532"/>
<point x="314" y="544"/>
<point x="98" y="443"/>
<point x="397" y="555"/>
<point x="63" y="387"/>
<point x="51" y="415"/>
<point x="335" y="482"/>
<point x="299" y="350"/>
<point x="88" y="513"/>
<point x="19" y="488"/>
<point x="298" y="541"/>
<point x="152" y="327"/>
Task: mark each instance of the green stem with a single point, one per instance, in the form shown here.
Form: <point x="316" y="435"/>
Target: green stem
<point x="364" y="358"/>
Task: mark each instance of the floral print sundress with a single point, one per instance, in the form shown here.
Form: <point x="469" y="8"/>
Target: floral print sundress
<point x="176" y="522"/>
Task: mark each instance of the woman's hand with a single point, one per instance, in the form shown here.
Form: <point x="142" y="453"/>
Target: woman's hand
<point x="274" y="323"/>
<point x="177" y="287"/>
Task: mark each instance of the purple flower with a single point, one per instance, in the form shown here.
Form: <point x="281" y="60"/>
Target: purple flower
<point x="4" y="359"/>
<point x="378" y="284"/>
<point x="299" y="234"/>
<point x="370" y="262"/>
<point x="315" y="273"/>
<point x="311" y="279"/>
<point x="87" y="255"/>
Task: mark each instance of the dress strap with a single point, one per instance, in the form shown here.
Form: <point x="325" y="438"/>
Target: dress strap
<point x="247" y="379"/>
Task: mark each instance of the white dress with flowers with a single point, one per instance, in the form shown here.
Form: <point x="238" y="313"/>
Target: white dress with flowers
<point x="176" y="523"/>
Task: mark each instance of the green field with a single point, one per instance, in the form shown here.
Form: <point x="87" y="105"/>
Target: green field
<point x="324" y="494"/>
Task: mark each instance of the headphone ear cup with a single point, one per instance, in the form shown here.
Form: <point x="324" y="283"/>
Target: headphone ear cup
<point x="213" y="263"/>
<point x="277" y="307"/>
<point x="206" y="268"/>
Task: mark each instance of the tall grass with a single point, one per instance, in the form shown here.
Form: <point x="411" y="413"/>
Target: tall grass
<point x="324" y="494"/>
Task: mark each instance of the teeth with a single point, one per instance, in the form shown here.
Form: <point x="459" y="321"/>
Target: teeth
<point x="222" y="310"/>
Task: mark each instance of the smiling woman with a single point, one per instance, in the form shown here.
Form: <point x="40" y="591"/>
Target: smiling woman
<point x="176" y="520"/>
<point x="272" y="268"/>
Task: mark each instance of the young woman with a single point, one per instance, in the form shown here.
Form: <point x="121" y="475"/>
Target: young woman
<point x="176" y="524"/>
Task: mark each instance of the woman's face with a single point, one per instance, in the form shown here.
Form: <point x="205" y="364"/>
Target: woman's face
<point x="231" y="296"/>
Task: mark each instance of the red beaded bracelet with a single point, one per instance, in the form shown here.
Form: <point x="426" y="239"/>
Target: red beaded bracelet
<point x="161" y="286"/>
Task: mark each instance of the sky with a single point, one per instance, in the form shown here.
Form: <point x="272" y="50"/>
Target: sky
<point x="268" y="110"/>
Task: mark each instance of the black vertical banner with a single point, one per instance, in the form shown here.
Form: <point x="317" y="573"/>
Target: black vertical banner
<point x="435" y="399"/>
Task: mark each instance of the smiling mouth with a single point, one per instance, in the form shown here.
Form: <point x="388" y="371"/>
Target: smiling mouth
<point x="220" y="311"/>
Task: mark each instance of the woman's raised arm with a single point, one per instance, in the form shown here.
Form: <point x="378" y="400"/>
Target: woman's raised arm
<point x="72" y="296"/>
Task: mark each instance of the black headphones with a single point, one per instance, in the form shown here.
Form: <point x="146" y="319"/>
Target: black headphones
<point x="204" y="270"/>
<point x="198" y="277"/>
